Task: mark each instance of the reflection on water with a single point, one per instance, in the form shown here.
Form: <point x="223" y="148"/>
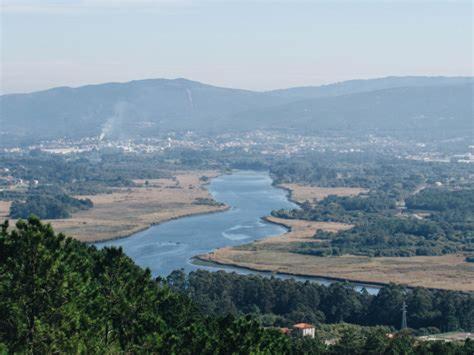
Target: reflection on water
<point x="171" y="245"/>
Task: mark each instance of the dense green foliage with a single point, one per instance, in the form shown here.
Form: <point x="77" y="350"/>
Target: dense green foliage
<point x="207" y="202"/>
<point x="380" y="230"/>
<point x="453" y="210"/>
<point x="285" y="302"/>
<point x="150" y="107"/>
<point x="442" y="200"/>
<point x="395" y="177"/>
<point x="383" y="226"/>
<point x="390" y="236"/>
<point x="342" y="209"/>
<point x="81" y="174"/>
<point x="60" y="296"/>
<point x="49" y="181"/>
<point x="49" y="203"/>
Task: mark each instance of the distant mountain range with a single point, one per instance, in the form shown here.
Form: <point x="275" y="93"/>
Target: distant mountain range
<point x="424" y="106"/>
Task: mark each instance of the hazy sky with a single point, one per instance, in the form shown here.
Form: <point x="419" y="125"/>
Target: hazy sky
<point x="260" y="44"/>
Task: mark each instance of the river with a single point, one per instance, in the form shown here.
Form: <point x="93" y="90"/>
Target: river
<point x="171" y="245"/>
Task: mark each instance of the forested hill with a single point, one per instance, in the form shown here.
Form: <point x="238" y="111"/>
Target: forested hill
<point x="431" y="111"/>
<point x="60" y="296"/>
<point x="148" y="107"/>
<point x="116" y="109"/>
<point x="367" y="85"/>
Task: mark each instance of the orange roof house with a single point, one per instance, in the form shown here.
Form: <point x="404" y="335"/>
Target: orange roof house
<point x="305" y="329"/>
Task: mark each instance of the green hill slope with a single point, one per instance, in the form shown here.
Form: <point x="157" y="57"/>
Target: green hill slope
<point x="146" y="108"/>
<point x="58" y="295"/>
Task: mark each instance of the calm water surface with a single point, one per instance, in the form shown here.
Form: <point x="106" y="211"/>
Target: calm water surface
<point x="171" y="245"/>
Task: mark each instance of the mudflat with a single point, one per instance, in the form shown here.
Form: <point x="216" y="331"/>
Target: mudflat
<point x="125" y="211"/>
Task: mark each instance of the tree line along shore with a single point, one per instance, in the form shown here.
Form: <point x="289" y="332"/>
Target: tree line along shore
<point x="61" y="295"/>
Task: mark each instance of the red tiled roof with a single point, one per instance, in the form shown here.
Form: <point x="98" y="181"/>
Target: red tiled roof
<point x="303" y="326"/>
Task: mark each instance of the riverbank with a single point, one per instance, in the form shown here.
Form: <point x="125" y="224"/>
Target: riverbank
<point x="275" y="255"/>
<point x="299" y="193"/>
<point x="127" y="211"/>
<point x="204" y="260"/>
<point x="448" y="272"/>
<point x="170" y="246"/>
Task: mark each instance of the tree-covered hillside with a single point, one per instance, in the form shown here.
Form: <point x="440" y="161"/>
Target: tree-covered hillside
<point x="48" y="202"/>
<point x="146" y="108"/>
<point x="61" y="296"/>
<point x="404" y="112"/>
<point x="119" y="110"/>
<point x="285" y="302"/>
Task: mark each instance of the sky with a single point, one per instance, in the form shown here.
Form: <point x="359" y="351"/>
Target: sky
<point x="257" y="45"/>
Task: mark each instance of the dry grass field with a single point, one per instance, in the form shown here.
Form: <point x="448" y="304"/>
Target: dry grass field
<point x="4" y="209"/>
<point x="301" y="193"/>
<point x="128" y="210"/>
<point x="273" y="254"/>
<point x="301" y="230"/>
<point x="451" y="336"/>
<point x="445" y="272"/>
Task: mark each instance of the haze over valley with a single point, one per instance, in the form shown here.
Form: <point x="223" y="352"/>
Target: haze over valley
<point x="237" y="177"/>
<point x="410" y="107"/>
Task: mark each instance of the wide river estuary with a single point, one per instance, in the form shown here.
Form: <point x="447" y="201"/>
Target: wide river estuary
<point x="171" y="245"/>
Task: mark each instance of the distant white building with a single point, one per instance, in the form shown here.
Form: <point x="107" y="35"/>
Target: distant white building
<point x="305" y="329"/>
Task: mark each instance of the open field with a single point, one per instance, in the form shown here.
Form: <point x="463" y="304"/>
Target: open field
<point x="273" y="254"/>
<point x="444" y="272"/>
<point x="4" y="209"/>
<point x="128" y="210"/>
<point x="301" y="193"/>
<point x="301" y="230"/>
<point x="451" y="336"/>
